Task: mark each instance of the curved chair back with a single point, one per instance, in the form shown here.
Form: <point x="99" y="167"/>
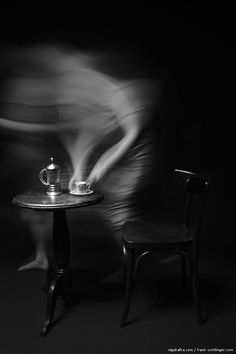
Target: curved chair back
<point x="196" y="186"/>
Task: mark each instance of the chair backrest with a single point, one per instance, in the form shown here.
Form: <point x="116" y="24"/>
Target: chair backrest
<point x="196" y="187"/>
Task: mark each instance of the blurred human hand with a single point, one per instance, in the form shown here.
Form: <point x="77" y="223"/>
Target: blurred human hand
<point x="100" y="170"/>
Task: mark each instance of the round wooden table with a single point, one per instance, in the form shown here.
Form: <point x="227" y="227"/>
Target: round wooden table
<point x="60" y="286"/>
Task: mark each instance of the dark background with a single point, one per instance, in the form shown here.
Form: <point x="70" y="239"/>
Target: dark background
<point x="190" y="47"/>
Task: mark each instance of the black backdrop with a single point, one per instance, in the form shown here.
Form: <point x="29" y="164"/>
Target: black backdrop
<point x="191" y="47"/>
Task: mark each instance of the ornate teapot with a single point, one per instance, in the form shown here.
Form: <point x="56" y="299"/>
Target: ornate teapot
<point x="53" y="178"/>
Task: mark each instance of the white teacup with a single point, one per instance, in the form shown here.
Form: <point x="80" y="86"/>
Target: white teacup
<point x="82" y="186"/>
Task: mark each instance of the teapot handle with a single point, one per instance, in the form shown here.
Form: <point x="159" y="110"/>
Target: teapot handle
<point x="41" y="177"/>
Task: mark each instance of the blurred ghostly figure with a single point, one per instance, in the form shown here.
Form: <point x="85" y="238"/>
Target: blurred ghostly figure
<point x="102" y="123"/>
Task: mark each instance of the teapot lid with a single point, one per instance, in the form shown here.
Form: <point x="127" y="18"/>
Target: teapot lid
<point x="52" y="165"/>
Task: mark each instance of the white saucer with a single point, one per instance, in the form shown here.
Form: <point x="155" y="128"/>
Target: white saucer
<point x="75" y="192"/>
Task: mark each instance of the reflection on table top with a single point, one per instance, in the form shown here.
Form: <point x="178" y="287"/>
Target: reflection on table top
<point x="39" y="199"/>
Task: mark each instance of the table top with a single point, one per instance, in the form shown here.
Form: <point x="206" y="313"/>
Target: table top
<point x="40" y="200"/>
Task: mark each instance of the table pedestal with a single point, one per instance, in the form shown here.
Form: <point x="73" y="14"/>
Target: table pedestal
<point x="62" y="282"/>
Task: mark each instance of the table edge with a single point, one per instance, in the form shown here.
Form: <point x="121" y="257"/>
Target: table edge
<point x="59" y="207"/>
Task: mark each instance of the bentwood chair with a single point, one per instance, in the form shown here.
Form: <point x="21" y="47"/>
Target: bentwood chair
<point x="179" y="236"/>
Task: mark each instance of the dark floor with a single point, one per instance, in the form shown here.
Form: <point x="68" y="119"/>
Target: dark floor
<point x="162" y="313"/>
<point x="161" y="316"/>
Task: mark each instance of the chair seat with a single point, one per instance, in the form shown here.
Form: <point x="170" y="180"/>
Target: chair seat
<point x="156" y="233"/>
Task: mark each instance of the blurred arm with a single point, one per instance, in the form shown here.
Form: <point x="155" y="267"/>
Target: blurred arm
<point x="27" y="127"/>
<point x="129" y="122"/>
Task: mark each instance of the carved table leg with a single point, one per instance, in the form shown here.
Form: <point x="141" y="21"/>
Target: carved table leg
<point x="61" y="284"/>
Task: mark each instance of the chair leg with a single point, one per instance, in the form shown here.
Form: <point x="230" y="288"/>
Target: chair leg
<point x="128" y="285"/>
<point x="196" y="297"/>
